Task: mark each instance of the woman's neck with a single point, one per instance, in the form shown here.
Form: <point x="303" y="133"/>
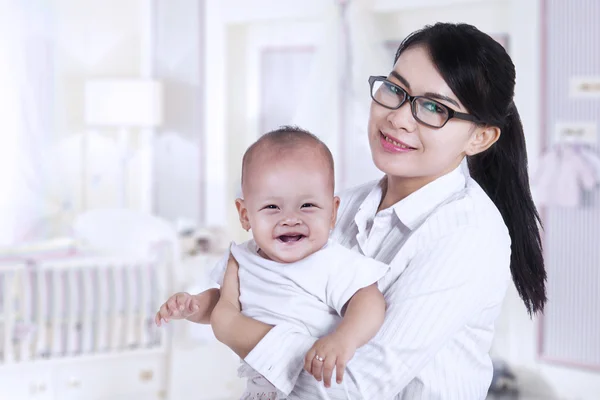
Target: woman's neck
<point x="398" y="188"/>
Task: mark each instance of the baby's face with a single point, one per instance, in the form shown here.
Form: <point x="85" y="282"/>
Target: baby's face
<point x="289" y="205"/>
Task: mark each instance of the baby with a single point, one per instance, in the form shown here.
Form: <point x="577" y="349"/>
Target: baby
<point x="290" y="271"/>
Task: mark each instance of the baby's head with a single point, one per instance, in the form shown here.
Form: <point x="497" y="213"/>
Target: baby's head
<point x="288" y="194"/>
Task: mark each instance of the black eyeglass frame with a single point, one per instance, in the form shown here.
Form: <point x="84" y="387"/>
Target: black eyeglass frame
<point x="451" y="113"/>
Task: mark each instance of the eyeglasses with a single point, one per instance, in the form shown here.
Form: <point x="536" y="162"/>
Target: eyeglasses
<point x="425" y="110"/>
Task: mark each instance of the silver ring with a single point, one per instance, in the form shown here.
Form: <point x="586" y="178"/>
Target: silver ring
<point x="319" y="358"/>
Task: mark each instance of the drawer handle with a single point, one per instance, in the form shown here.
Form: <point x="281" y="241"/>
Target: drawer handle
<point x="74" y="383"/>
<point x="146" y="375"/>
<point x="39" y="387"/>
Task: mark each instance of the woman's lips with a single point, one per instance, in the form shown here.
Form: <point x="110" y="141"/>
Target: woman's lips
<point x="393" y="145"/>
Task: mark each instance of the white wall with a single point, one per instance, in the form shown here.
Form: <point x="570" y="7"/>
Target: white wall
<point x="246" y="44"/>
<point x="89" y="40"/>
<point x="235" y="32"/>
<point x="178" y="64"/>
<point x="490" y="16"/>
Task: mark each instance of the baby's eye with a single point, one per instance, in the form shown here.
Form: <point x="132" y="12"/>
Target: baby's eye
<point x="271" y="207"/>
<point x="306" y="205"/>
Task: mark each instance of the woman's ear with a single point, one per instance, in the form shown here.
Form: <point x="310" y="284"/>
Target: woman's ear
<point x="482" y="139"/>
<point x="243" y="213"/>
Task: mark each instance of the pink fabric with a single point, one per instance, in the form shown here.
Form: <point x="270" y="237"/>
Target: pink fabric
<point x="563" y="174"/>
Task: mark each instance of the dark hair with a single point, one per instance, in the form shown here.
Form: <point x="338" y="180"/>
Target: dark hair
<point x="287" y="137"/>
<point x="482" y="76"/>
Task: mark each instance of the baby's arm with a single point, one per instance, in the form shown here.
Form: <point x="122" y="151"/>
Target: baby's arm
<point x="195" y="308"/>
<point x="206" y="301"/>
<point x="364" y="314"/>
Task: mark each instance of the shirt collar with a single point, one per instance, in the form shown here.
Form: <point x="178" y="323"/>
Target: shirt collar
<point x="417" y="206"/>
<point x="368" y="208"/>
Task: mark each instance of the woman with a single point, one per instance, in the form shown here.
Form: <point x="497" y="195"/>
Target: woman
<point x="452" y="241"/>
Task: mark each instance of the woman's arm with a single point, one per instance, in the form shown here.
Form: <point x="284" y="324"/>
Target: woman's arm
<point x="444" y="286"/>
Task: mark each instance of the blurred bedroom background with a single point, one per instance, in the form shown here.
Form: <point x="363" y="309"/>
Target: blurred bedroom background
<point x="124" y="123"/>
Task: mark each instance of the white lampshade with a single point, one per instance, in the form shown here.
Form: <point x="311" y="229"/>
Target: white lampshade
<point x="123" y="102"/>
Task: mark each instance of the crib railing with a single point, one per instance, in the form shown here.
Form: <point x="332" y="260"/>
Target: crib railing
<point x="80" y="306"/>
<point x="10" y="279"/>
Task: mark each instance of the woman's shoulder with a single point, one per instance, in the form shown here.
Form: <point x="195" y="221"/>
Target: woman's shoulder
<point x="350" y="201"/>
<point x="471" y="208"/>
<point x="354" y="196"/>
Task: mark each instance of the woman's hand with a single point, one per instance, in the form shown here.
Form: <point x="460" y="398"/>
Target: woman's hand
<point x="329" y="352"/>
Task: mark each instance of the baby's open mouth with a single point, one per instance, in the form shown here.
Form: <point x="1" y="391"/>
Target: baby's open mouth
<point x="290" y="238"/>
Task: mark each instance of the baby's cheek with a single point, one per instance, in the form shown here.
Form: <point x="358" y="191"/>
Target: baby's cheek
<point x="321" y="230"/>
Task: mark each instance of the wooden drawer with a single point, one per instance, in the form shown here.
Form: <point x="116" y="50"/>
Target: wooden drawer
<point x="138" y="396"/>
<point x="212" y="378"/>
<point x="112" y="378"/>
<point x="25" y="384"/>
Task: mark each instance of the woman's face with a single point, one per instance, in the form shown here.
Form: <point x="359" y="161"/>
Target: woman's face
<point x="431" y="152"/>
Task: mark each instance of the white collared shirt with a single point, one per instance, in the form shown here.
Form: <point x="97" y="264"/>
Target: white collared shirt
<point x="449" y="253"/>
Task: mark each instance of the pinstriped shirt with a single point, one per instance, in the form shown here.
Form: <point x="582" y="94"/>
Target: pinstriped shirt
<point x="449" y="255"/>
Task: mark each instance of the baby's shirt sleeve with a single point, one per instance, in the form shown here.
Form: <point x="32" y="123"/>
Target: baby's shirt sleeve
<point x="217" y="273"/>
<point x="349" y="271"/>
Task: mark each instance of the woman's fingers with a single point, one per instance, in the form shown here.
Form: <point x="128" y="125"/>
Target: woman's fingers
<point x="340" y="367"/>
<point x="317" y="368"/>
<point x="308" y="360"/>
<point x="328" y="366"/>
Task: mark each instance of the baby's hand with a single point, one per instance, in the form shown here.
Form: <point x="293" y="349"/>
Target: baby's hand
<point x="179" y="306"/>
<point x="333" y="350"/>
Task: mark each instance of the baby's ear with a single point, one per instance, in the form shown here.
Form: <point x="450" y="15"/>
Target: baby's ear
<point x="336" y="205"/>
<point x="243" y="213"/>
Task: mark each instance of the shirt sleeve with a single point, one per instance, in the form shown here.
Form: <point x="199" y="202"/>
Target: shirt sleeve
<point x="350" y="272"/>
<point x="217" y="273"/>
<point x="444" y="286"/>
<point x="281" y="367"/>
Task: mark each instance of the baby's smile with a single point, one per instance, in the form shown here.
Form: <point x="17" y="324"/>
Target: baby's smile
<point x="291" y="238"/>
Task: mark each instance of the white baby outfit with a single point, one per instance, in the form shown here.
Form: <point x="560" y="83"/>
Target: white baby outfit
<point x="309" y="293"/>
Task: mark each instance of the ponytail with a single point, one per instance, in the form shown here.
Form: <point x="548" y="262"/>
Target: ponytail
<point x="502" y="173"/>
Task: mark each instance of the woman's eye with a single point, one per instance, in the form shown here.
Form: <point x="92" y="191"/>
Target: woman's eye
<point x="433" y="107"/>
<point x="392" y="88"/>
<point x="307" y="205"/>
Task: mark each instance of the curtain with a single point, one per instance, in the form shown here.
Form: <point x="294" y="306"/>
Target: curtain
<point x="26" y="98"/>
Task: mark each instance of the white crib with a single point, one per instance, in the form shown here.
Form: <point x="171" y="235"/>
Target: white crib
<point x="82" y="328"/>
